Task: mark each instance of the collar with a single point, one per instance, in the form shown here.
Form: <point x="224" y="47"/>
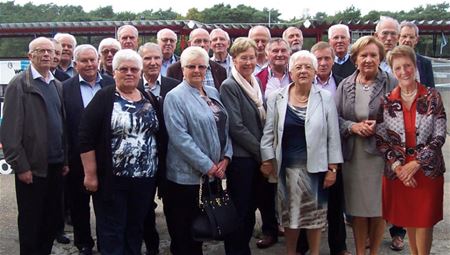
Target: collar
<point x="158" y="80"/>
<point x="226" y="61"/>
<point x="318" y="81"/>
<point x="341" y="61"/>
<point x="36" y="75"/>
<point x="97" y="80"/>
<point x="271" y="74"/>
<point x="396" y="92"/>
<point x="171" y="60"/>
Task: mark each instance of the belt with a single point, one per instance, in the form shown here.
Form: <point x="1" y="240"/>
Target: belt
<point x="410" y="151"/>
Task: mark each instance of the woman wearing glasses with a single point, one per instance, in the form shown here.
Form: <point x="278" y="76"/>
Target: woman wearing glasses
<point x="197" y="124"/>
<point x="119" y="144"/>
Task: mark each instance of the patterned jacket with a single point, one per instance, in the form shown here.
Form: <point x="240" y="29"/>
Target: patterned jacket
<point x="431" y="124"/>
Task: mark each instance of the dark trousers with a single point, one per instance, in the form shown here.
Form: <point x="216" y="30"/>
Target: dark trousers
<point x="241" y="180"/>
<point x="39" y="204"/>
<point x="180" y="209"/>
<point x="397" y="231"/>
<point x="151" y="236"/>
<point x="79" y="209"/>
<point x="265" y="202"/>
<point x="336" y="224"/>
<point x="120" y="218"/>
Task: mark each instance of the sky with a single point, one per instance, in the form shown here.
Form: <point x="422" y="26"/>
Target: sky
<point x="288" y="8"/>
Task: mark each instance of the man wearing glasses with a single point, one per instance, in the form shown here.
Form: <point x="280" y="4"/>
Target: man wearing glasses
<point x="388" y="32"/>
<point x="107" y="48"/>
<point x="167" y="41"/>
<point x="33" y="143"/>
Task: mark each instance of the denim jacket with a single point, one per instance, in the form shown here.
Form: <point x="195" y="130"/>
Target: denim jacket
<point x="194" y="144"/>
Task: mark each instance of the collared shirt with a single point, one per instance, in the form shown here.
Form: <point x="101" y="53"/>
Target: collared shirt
<point x="88" y="91"/>
<point x="37" y="75"/>
<point x="273" y="83"/>
<point x="155" y="88"/>
<point x="385" y="67"/>
<point x="166" y="63"/>
<point x="227" y="63"/>
<point x="70" y="69"/>
<point x="259" y="67"/>
<point x="341" y="61"/>
<point x="209" y="79"/>
<point x="329" y="84"/>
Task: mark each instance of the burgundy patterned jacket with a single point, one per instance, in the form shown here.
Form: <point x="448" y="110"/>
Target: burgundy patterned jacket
<point x="431" y="125"/>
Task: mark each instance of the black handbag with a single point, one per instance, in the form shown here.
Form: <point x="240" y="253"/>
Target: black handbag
<point x="218" y="215"/>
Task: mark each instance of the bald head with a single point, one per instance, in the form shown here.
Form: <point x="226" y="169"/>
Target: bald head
<point x="200" y="37"/>
<point x="261" y="36"/>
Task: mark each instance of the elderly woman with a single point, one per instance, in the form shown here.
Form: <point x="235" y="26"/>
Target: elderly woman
<point x="118" y="144"/>
<point x="411" y="131"/>
<point x="358" y="99"/>
<point x="242" y="98"/>
<point x="197" y="124"/>
<point x="301" y="141"/>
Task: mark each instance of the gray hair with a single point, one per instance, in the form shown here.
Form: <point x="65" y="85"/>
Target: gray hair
<point x="193" y="52"/>
<point x="410" y="25"/>
<point x="286" y="30"/>
<point x="32" y="44"/>
<point x="159" y="34"/>
<point x="150" y="46"/>
<point x="301" y="54"/>
<point x="127" y="55"/>
<point x="109" y="42"/>
<point x="333" y="28"/>
<point x="384" y="19"/>
<point x="216" y="30"/>
<point x="59" y="36"/>
<point x="252" y="30"/>
<point x="81" y="48"/>
<point x="277" y="40"/>
<point x="133" y="28"/>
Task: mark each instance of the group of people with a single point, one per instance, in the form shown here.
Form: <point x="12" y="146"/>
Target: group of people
<point x="303" y="136"/>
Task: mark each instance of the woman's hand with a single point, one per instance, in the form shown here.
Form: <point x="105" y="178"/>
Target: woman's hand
<point x="364" y="128"/>
<point x="91" y="182"/>
<point x="267" y="168"/>
<point x="408" y="171"/>
<point x="330" y="176"/>
<point x="410" y="183"/>
<point x="222" y="167"/>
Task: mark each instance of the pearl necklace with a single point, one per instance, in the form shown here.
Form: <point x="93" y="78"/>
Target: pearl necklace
<point x="408" y="96"/>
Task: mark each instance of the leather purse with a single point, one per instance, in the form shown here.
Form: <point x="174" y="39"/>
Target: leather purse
<point x="218" y="215"/>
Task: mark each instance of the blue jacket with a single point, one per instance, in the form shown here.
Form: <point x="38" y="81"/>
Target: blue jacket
<point x="194" y="144"/>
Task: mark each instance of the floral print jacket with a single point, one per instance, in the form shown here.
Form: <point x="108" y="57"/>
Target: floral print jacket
<point x="431" y="123"/>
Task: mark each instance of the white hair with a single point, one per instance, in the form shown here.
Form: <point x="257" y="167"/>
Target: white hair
<point x="333" y="28"/>
<point x="81" y="48"/>
<point x="133" y="29"/>
<point x="59" y="36"/>
<point x="127" y="55"/>
<point x="384" y="19"/>
<point x="193" y="52"/>
<point x="217" y="30"/>
<point x="109" y="42"/>
<point x="303" y="54"/>
<point x="159" y="34"/>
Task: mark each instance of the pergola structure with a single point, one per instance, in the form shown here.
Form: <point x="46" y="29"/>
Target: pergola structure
<point x="310" y="28"/>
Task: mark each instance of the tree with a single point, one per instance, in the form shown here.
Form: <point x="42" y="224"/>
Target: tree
<point x="351" y="13"/>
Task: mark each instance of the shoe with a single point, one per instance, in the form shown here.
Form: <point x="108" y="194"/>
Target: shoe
<point x="280" y="231"/>
<point x="62" y="238"/>
<point x="266" y="242"/>
<point x="344" y="252"/>
<point x="397" y="243"/>
<point x="85" y="251"/>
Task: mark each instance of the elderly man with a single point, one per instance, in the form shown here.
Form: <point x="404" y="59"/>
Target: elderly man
<point x="261" y="36"/>
<point x="153" y="82"/>
<point x="339" y="39"/>
<point x="215" y="73"/>
<point x="409" y="35"/>
<point x="33" y="141"/>
<point x="68" y="43"/>
<point x="57" y="73"/>
<point x="107" y="49"/>
<point x="78" y="92"/>
<point x="128" y="36"/>
<point x="327" y="80"/>
<point x="220" y="41"/>
<point x="294" y="37"/>
<point x="167" y="41"/>
<point x="276" y="74"/>
<point x="387" y="31"/>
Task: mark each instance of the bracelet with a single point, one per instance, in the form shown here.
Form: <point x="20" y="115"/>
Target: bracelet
<point x="349" y="129"/>
<point x="395" y="165"/>
<point x="333" y="170"/>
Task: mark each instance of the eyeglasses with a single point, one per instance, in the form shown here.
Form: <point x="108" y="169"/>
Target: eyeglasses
<point x="168" y="40"/>
<point x="193" y="67"/>
<point x="43" y="51"/>
<point x="247" y="58"/>
<point x="389" y="33"/>
<point x="125" y="70"/>
<point x="107" y="51"/>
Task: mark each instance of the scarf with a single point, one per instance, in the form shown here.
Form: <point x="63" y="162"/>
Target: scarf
<point x="252" y="90"/>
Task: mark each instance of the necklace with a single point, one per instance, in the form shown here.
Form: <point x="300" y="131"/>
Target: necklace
<point x="408" y="96"/>
<point x="300" y="100"/>
<point x="365" y="86"/>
